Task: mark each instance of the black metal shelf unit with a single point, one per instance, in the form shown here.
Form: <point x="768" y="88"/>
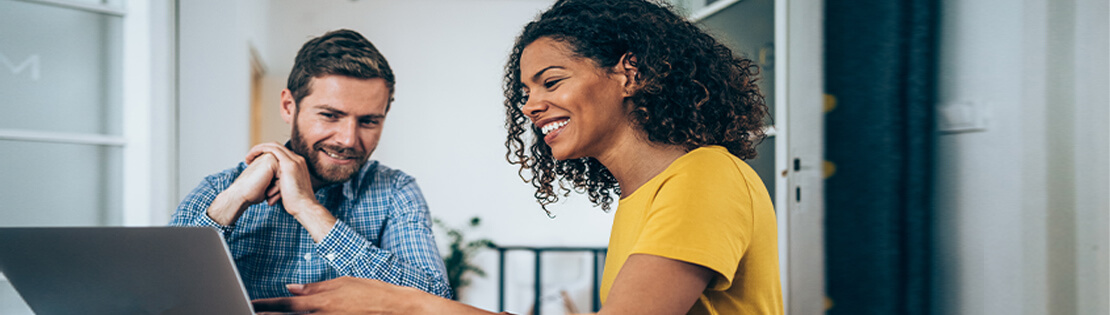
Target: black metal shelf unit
<point x="598" y="253"/>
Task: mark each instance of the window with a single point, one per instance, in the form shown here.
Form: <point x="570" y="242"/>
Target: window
<point x="61" y="118"/>
<point x="61" y="137"/>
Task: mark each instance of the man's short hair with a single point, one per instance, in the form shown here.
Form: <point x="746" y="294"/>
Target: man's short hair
<point x="340" y="52"/>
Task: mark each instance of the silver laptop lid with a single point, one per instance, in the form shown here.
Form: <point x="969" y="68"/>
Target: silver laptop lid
<point x="116" y="270"/>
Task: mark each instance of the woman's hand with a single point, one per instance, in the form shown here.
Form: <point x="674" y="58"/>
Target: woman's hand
<point x="348" y="295"/>
<point x="646" y="285"/>
<point x="344" y="295"/>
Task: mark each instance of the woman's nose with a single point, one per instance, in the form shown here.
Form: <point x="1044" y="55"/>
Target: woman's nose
<point x="533" y="107"/>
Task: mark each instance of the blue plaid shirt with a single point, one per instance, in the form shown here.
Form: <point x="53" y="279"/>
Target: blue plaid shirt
<point x="382" y="232"/>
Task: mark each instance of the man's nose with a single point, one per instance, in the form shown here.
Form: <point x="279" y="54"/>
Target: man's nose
<point x="347" y="135"/>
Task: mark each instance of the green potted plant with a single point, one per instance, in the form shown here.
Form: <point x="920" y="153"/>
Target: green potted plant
<point x="459" y="254"/>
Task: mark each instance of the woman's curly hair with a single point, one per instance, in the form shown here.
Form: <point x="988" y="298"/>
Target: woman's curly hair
<point x="692" y="90"/>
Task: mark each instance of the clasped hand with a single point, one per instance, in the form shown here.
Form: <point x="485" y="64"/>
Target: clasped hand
<point x="274" y="174"/>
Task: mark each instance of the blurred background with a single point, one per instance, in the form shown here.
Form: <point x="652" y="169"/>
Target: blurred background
<point x="925" y="157"/>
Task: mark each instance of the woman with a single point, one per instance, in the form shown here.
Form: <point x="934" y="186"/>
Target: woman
<point x="626" y="97"/>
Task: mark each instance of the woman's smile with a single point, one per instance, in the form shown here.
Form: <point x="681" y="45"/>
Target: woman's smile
<point x="553" y="129"/>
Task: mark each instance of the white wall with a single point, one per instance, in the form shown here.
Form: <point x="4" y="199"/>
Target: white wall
<point x="214" y="84"/>
<point x="1092" y="170"/>
<point x="445" y="127"/>
<point x="1022" y="206"/>
<point x="149" y="98"/>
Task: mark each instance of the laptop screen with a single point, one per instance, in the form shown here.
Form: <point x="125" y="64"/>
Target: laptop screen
<point x="122" y="270"/>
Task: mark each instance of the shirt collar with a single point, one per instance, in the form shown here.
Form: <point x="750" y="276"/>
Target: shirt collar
<point x="354" y="185"/>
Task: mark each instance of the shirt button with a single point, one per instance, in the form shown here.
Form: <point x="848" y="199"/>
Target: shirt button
<point x="308" y="256"/>
<point x="330" y="256"/>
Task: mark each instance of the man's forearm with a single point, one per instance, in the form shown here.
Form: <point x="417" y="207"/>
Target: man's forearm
<point x="226" y="208"/>
<point x="317" y="220"/>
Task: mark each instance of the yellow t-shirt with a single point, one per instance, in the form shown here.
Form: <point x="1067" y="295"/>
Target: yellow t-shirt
<point x="711" y="209"/>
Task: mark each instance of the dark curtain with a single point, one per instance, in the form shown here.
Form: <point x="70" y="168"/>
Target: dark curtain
<point x="880" y="67"/>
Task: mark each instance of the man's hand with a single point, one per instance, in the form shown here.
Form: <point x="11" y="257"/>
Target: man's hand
<point x="252" y="186"/>
<point x="293" y="186"/>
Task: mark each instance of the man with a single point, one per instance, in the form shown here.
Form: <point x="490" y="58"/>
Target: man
<point x="316" y="208"/>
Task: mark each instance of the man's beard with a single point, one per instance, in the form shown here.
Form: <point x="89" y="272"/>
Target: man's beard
<point x="326" y="173"/>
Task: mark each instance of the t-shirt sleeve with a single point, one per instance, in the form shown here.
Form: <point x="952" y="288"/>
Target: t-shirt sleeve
<point x="701" y="215"/>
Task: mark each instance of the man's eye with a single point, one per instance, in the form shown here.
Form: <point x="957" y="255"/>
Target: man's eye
<point x="327" y="115"/>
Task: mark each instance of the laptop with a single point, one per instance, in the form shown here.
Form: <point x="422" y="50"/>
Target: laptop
<point x="123" y="270"/>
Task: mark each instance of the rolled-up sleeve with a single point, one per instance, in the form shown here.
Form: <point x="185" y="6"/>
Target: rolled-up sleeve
<point x="193" y="210"/>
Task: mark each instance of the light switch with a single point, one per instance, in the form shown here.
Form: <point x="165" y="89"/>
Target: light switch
<point x="966" y="116"/>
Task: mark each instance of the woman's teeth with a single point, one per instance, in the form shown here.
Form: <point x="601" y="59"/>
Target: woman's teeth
<point x="552" y="126"/>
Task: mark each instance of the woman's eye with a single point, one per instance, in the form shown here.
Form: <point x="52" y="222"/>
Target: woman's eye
<point x="551" y="83"/>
